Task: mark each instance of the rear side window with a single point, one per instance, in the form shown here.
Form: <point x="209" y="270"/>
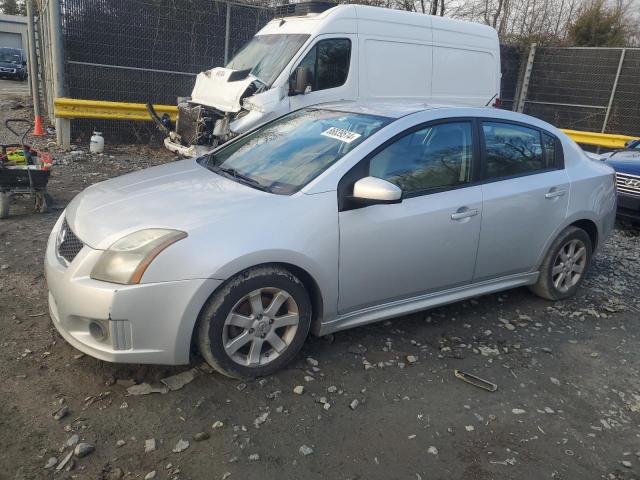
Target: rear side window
<point x="512" y="150"/>
<point x="435" y="157"/>
<point x="328" y="62"/>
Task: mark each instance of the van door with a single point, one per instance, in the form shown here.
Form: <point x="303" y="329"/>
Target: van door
<point x="326" y="73"/>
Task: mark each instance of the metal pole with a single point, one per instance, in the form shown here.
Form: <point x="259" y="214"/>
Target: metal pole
<point x="63" y="126"/>
<point x="33" y="69"/>
<point x="613" y="90"/>
<point x="524" y="87"/>
<point x="226" y="34"/>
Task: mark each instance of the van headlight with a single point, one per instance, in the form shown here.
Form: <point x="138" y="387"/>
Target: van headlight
<point x="127" y="259"/>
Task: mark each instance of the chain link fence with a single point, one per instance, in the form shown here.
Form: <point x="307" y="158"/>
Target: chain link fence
<point x="593" y="89"/>
<point x="151" y="50"/>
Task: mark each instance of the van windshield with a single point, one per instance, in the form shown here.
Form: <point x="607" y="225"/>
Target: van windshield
<point x="10" y="55"/>
<point x="267" y="55"/>
<point x="283" y="156"/>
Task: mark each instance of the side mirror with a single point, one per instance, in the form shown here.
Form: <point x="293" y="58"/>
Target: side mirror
<point x="373" y="190"/>
<point x="300" y="82"/>
<point x="24" y="63"/>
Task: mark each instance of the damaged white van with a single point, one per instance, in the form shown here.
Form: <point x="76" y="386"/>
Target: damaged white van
<point x="323" y="53"/>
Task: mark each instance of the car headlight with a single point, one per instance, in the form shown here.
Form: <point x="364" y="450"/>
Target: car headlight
<point x="127" y="259"/>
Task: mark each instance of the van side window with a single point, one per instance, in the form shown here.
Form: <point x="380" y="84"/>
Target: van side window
<point x="436" y="157"/>
<point x="328" y="62"/>
<point x="515" y="150"/>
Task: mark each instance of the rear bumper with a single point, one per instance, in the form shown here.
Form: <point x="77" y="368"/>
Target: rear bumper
<point x="146" y="323"/>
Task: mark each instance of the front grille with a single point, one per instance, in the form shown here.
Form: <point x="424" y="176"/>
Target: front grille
<point x="68" y="244"/>
<point x="628" y="184"/>
<point x="7" y="70"/>
<point x="188" y="125"/>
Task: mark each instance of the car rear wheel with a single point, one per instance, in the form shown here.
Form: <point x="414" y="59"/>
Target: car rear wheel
<point x="255" y="324"/>
<point x="565" y="266"/>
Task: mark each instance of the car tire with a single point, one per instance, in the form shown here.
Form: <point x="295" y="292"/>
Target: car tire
<point x="255" y="324"/>
<point x="565" y="266"/>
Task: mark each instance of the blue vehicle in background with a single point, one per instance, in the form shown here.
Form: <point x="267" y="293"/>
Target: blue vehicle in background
<point x="626" y="163"/>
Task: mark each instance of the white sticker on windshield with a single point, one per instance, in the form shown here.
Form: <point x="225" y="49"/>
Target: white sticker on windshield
<point x="340" y="134"/>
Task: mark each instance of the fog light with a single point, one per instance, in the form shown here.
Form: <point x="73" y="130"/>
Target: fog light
<point x="97" y="331"/>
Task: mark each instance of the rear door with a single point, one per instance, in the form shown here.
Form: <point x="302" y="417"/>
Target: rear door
<point x="525" y="197"/>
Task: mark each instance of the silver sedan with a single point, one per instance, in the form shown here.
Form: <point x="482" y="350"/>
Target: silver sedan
<point x="324" y="219"/>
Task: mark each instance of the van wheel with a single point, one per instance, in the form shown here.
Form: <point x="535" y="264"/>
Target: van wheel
<point x="255" y="324"/>
<point x="565" y="266"/>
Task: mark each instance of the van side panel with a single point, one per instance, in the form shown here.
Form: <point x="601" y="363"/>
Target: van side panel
<point x="462" y="76"/>
<point x="466" y="62"/>
<point x="394" y="69"/>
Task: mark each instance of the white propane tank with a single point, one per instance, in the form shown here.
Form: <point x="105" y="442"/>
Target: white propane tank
<point x="97" y="143"/>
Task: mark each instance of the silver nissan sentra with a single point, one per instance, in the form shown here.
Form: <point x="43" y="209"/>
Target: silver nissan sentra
<point x="324" y="219"/>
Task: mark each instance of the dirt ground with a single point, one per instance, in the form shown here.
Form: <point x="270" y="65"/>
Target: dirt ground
<point x="567" y="404"/>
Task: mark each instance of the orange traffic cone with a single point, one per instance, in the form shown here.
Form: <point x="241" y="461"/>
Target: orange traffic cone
<point x="37" y="129"/>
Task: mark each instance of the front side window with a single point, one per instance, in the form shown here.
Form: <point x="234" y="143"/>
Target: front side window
<point x="435" y="157"/>
<point x="328" y="63"/>
<point x="283" y="156"/>
<point x="516" y="150"/>
<point x="267" y="55"/>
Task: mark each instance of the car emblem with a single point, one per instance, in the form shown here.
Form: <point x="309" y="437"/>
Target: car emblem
<point x="632" y="182"/>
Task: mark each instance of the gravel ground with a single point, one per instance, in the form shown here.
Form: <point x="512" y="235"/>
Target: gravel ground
<point x="377" y="402"/>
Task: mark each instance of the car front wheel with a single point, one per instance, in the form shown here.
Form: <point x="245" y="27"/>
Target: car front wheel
<point x="565" y="266"/>
<point x="255" y="324"/>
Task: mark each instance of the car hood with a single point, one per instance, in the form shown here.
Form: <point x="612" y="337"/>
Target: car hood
<point x="214" y="89"/>
<point x="181" y="195"/>
<point x="625" y="162"/>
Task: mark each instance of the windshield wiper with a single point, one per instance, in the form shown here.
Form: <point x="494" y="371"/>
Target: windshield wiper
<point x="243" y="178"/>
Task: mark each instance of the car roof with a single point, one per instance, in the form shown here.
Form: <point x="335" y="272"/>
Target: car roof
<point x="397" y="108"/>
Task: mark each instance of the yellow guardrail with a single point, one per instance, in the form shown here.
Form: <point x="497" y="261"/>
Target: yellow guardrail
<point x="98" y="109"/>
<point x="607" y="140"/>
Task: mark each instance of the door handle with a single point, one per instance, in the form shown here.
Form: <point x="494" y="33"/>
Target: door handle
<point x="553" y="193"/>
<point x="464" y="213"/>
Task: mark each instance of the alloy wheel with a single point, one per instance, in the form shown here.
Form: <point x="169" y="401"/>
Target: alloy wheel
<point x="260" y="327"/>
<point x="569" y="265"/>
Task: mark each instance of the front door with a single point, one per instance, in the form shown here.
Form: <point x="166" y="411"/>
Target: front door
<point x="426" y="243"/>
<point x="331" y="68"/>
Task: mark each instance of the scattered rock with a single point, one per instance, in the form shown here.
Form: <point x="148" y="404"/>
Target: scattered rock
<point x="357" y="349"/>
<point x="201" y="436"/>
<point x="554" y="380"/>
<point x="299" y="390"/>
<point x="181" y="446"/>
<point x="469" y="428"/>
<point x="261" y="419"/>
<point x="217" y="424"/>
<point x="626" y="464"/>
<point x="150" y="476"/>
<point x="51" y="463"/>
<point x="176" y="382"/>
<point x="72" y="441"/>
<point x="432" y="450"/>
<point x="115" y="474"/>
<point x="411" y="359"/>
<point x="305" y="450"/>
<point x="312" y="362"/>
<point x="83" y="449"/>
<point x="61" y="413"/>
<point x="146" y="389"/>
<point x="120" y="443"/>
<point x="354" y="404"/>
<point x="254" y="457"/>
<point x="518" y="411"/>
<point x="149" y="445"/>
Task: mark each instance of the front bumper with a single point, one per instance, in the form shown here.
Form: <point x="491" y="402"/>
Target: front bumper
<point x="629" y="206"/>
<point x="192" y="151"/>
<point x="146" y="323"/>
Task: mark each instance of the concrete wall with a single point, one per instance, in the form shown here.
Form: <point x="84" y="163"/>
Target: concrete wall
<point x="12" y="26"/>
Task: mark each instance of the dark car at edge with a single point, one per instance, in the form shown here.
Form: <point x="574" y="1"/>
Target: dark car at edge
<point x="626" y="163"/>
<point x="13" y="63"/>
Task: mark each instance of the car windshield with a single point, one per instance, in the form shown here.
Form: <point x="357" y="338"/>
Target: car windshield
<point x="10" y="55"/>
<point x="283" y="156"/>
<point x="267" y="55"/>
